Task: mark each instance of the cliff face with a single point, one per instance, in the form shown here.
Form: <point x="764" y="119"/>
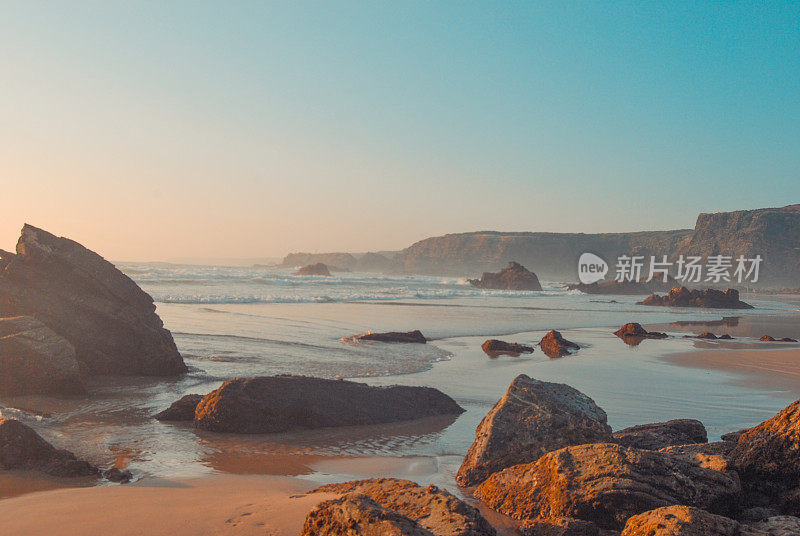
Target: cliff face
<point x="550" y="255"/>
<point x="773" y="233"/>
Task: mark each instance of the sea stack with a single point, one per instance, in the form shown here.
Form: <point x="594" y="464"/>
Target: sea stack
<point x="513" y="277"/>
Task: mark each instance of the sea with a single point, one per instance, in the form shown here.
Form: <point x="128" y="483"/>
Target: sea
<point x="250" y="321"/>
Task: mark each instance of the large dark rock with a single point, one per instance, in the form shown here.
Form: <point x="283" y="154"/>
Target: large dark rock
<point x="606" y="484"/>
<point x="358" y="515"/>
<point x="494" y="348"/>
<point x="658" y="435"/>
<point x="767" y="458"/>
<point x="707" y="298"/>
<point x="22" y="448"/>
<point x="434" y="509"/>
<point x="314" y="269"/>
<point x="633" y="334"/>
<point x="624" y="287"/>
<point x="342" y="260"/>
<point x="106" y="317"/>
<point x="36" y="360"/>
<point x="415" y="336"/>
<point x="554" y="345"/>
<point x="513" y="277"/>
<point x="281" y="403"/>
<point x="181" y="410"/>
<point x="680" y="520"/>
<point x="532" y="418"/>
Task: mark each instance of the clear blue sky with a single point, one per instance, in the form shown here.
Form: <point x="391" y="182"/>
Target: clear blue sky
<point x="152" y="130"/>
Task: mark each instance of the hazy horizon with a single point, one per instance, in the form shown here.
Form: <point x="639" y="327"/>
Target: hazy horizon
<point x="187" y="130"/>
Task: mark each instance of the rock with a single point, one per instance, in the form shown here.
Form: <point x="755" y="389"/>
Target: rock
<point x="658" y="435"/>
<point x="773" y="526"/>
<point x="708" y="298"/>
<point x="624" y="287"/>
<point x="606" y="484"/>
<point x="494" y="348"/>
<point x="554" y="345"/>
<point x="560" y="526"/>
<point x="36" y="360"/>
<point x="734" y="436"/>
<point x="532" y="418"/>
<point x="767" y="460"/>
<point x="358" y="515"/>
<point x="767" y="338"/>
<point x="106" y="317"/>
<point x="120" y="476"/>
<point x="22" y="448"/>
<point x="181" y="410"/>
<point x="281" y="403"/>
<point x="680" y="520"/>
<point x="513" y="277"/>
<point x="434" y="509"/>
<point x="707" y="335"/>
<point x="342" y="260"/>
<point x="633" y="334"/>
<point x="726" y="337"/>
<point x="758" y="513"/>
<point x="314" y="269"/>
<point x="709" y="455"/>
<point x="415" y="336"/>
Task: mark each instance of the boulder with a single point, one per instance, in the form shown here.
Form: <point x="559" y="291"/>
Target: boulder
<point x="657" y="435"/>
<point x="36" y="360"/>
<point x="434" y="509"/>
<point x="554" y="345"/>
<point x="768" y="338"/>
<point x="532" y="418"/>
<point x="108" y="319"/>
<point x="707" y="335"/>
<point x="605" y="484"/>
<point x="281" y="403"/>
<point x="314" y="269"/>
<point x="181" y="410"/>
<point x="708" y="298"/>
<point x="734" y="436"/>
<point x="680" y="520"/>
<point x="615" y="287"/>
<point x="513" y="277"/>
<point x="120" y="476"/>
<point x="22" y="448"/>
<point x="494" y="348"/>
<point x="415" y="336"/>
<point x="358" y="515"/>
<point x="560" y="526"/>
<point x="767" y="460"/>
<point x="711" y="455"/>
<point x="633" y="334"/>
<point x="773" y="526"/>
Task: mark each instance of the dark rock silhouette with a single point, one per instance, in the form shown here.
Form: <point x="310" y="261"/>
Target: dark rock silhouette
<point x="494" y="348"/>
<point x="282" y="403"/>
<point x="633" y="334"/>
<point x="707" y="298"/>
<point x="767" y="338"/>
<point x="314" y="269"/>
<point x="415" y="336"/>
<point x="513" y="277"/>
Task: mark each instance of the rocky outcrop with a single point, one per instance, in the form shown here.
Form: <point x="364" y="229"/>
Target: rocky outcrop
<point x="633" y="334"/>
<point x="434" y="509"/>
<point x="281" y="403"/>
<point x="36" y="360"/>
<point x="554" y="345"/>
<point x="773" y="526"/>
<point x="768" y="338"/>
<point x="606" y="484"/>
<point x="532" y="418"/>
<point x="342" y="260"/>
<point x="766" y="458"/>
<point x="494" y="348"/>
<point x="415" y="336"/>
<point x="513" y="277"/>
<point x="708" y="298"/>
<point x="106" y="317"/>
<point x="630" y="288"/>
<point x="680" y="520"/>
<point x="658" y="435"/>
<point x="358" y="515"/>
<point x="319" y="269"/>
<point x="22" y="448"/>
<point x="181" y="410"/>
<point x="711" y="455"/>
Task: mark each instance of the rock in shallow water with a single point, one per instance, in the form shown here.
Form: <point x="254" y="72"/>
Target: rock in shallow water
<point x="494" y="348"/>
<point x="22" y="448"/>
<point x="106" y="317"/>
<point x="606" y="484"/>
<point x="434" y="509"/>
<point x="36" y="360"/>
<point x="532" y="418"/>
<point x="281" y="403"/>
<point x="707" y="298"/>
<point x="554" y="345"/>
<point x="415" y="336"/>
<point x="181" y="410"/>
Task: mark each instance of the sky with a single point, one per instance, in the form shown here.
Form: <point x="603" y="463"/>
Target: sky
<point x="160" y="130"/>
